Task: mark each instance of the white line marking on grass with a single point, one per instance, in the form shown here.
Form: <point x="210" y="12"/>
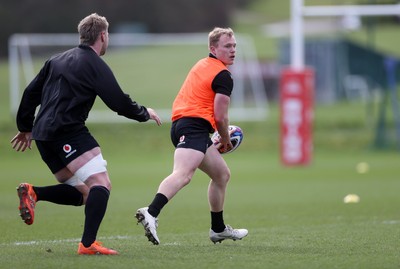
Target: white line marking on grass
<point x="60" y="241"/>
<point x="391" y="221"/>
<point x="172" y="244"/>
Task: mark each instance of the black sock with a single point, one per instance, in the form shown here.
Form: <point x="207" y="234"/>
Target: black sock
<point x="160" y="200"/>
<point x="217" y="222"/>
<point x="95" y="209"/>
<point x="62" y="194"/>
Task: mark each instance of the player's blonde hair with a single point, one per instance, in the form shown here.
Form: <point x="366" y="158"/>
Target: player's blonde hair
<point x="90" y="28"/>
<point x="215" y="35"/>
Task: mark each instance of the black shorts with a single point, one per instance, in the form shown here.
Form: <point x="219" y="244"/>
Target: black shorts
<point x="192" y="133"/>
<point x="59" y="153"/>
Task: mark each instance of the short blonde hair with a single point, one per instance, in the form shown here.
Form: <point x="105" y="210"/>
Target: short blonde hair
<point x="90" y="28"/>
<point x="215" y="35"/>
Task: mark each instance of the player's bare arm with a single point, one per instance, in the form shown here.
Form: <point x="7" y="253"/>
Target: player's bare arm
<point x="221" y="106"/>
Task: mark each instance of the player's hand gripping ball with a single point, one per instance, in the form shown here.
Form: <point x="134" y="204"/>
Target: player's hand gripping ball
<point x="236" y="135"/>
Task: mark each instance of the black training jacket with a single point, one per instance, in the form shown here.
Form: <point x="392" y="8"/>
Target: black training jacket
<point x="66" y="88"/>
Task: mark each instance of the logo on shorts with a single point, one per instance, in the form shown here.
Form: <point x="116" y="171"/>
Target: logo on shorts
<point x="67" y="148"/>
<point x="181" y="140"/>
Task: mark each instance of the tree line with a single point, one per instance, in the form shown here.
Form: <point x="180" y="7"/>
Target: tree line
<point x="153" y="16"/>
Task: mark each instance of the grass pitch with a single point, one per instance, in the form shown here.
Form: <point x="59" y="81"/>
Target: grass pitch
<point x="296" y="216"/>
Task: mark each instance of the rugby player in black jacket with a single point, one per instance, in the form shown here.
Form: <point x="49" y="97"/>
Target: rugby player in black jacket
<point x="65" y="89"/>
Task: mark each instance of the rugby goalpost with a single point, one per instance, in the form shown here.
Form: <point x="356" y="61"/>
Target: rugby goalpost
<point x="249" y="99"/>
<point x="299" y="11"/>
<point x="297" y="81"/>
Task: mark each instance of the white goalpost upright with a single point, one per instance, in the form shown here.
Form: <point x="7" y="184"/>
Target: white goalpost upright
<point x="249" y="99"/>
<point x="299" y="11"/>
<point x="297" y="81"/>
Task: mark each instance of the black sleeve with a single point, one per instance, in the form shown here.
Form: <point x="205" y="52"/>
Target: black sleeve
<point x="31" y="99"/>
<point x="223" y="83"/>
<point x="112" y="95"/>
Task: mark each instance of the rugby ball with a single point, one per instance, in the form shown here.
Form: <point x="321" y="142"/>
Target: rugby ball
<point x="236" y="134"/>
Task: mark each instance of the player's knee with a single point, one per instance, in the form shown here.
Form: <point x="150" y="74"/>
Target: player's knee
<point x="182" y="178"/>
<point x="186" y="179"/>
<point x="223" y="177"/>
<point x="226" y="175"/>
<point x="77" y="191"/>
